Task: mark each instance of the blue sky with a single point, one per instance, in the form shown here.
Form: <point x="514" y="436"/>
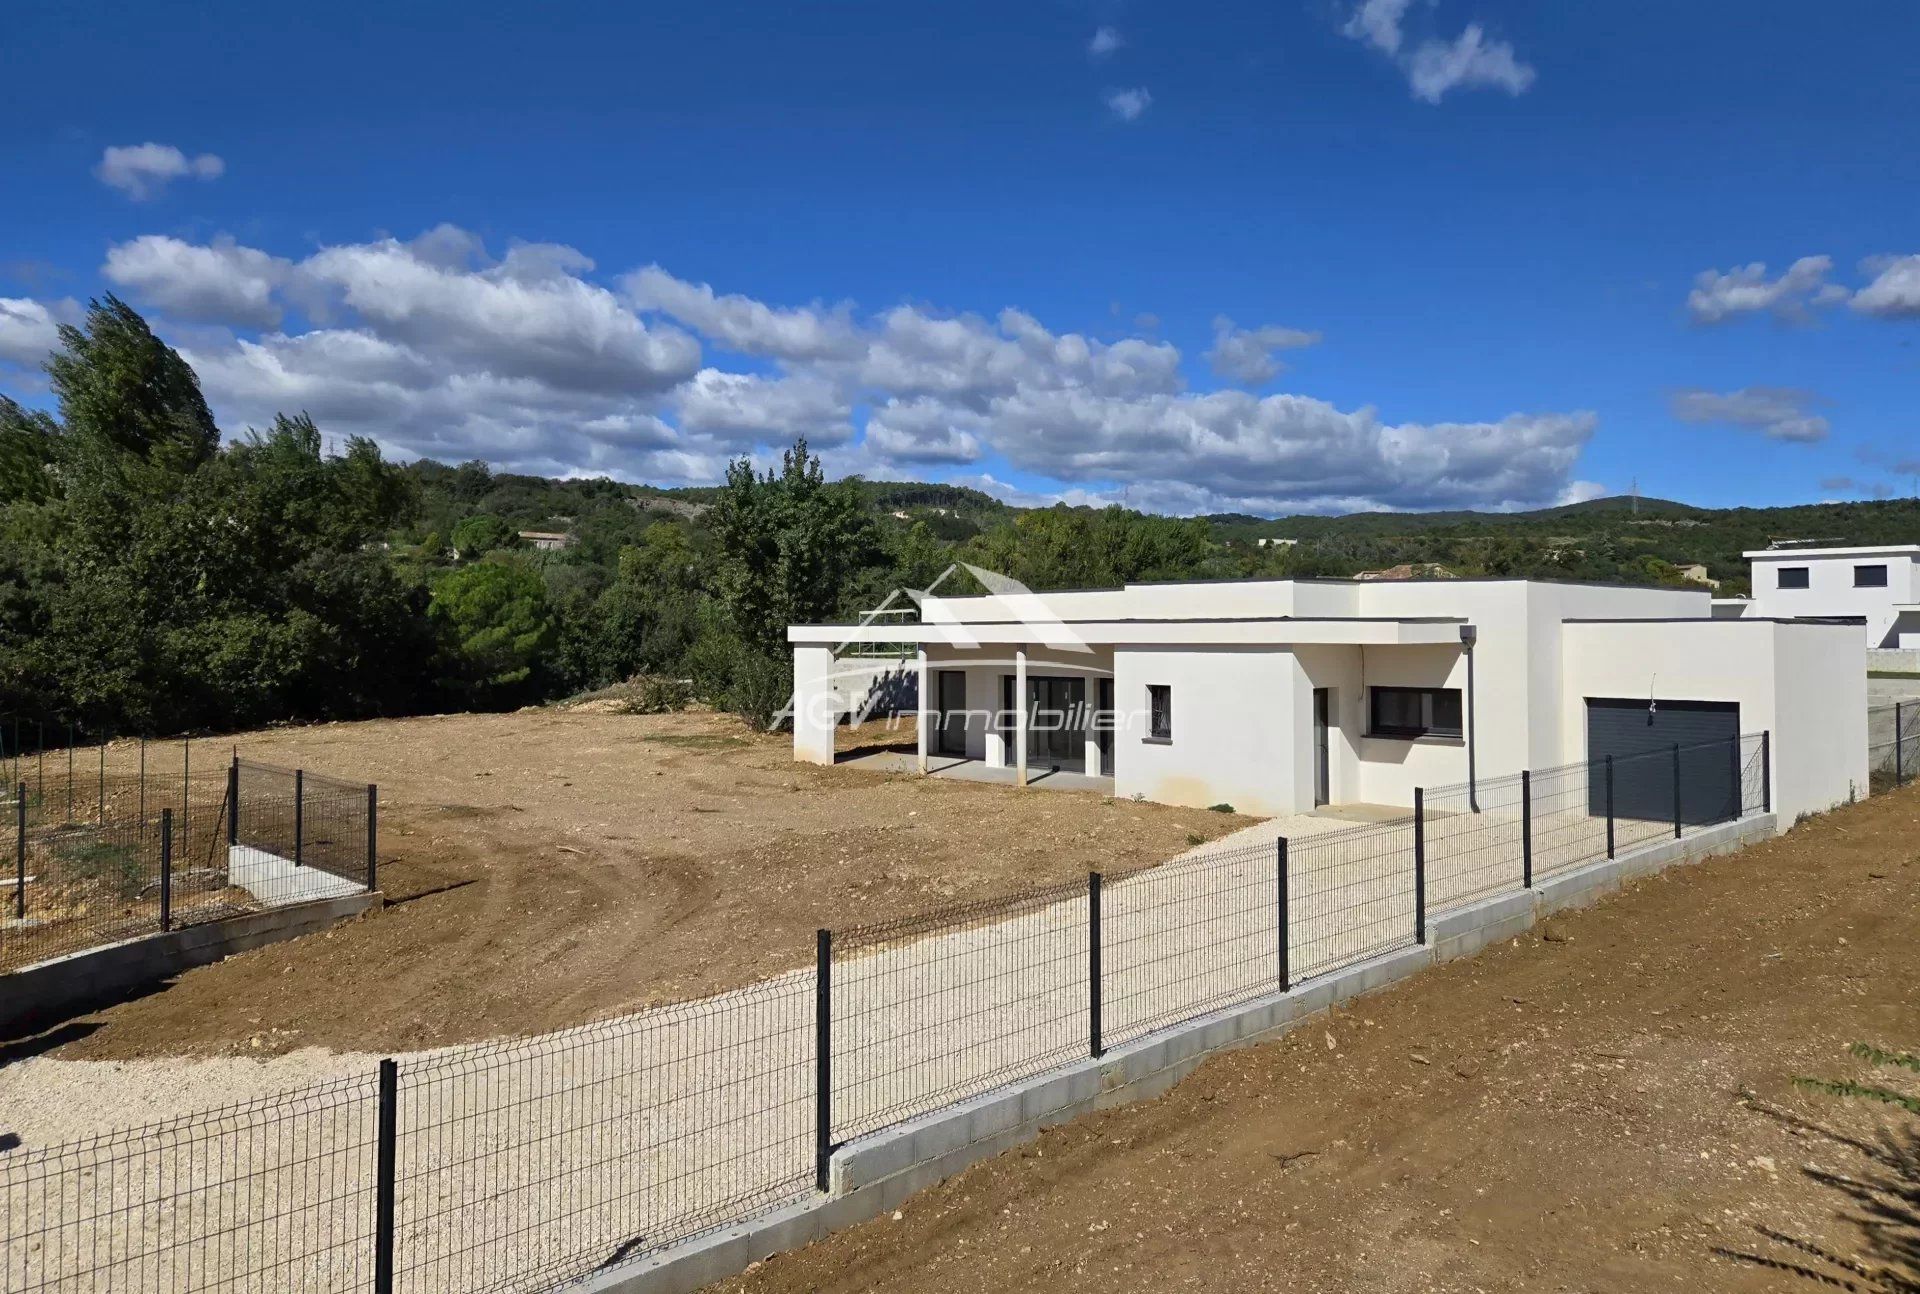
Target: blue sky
<point x="1473" y="252"/>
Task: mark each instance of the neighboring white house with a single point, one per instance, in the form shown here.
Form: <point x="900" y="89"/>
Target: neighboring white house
<point x="1875" y="587"/>
<point x="1275" y="696"/>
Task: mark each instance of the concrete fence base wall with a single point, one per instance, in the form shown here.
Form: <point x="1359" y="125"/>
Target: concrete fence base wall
<point x="1894" y="660"/>
<point x="60" y="987"/>
<point x="875" y="1174"/>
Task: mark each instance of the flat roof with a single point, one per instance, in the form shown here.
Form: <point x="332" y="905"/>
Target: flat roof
<point x="1271" y="631"/>
<point x="1715" y="620"/>
<point x="1335" y="579"/>
<point x="1881" y="550"/>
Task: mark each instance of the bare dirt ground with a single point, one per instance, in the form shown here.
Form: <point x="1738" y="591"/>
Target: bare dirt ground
<point x="550" y="867"/>
<point x="1607" y="1104"/>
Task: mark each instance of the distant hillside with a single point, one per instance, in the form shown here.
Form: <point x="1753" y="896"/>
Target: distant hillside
<point x="1615" y="538"/>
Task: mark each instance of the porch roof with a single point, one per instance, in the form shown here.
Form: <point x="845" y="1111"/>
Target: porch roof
<point x="1253" y="631"/>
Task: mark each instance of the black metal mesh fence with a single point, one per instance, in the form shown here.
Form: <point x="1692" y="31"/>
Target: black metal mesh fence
<point x="1187" y="938"/>
<point x="1350" y="896"/>
<point x="273" y="1194"/>
<point x="936" y="1008"/>
<point x="531" y="1164"/>
<point x="117" y="849"/>
<point x="516" y="1166"/>
<point x="528" y="1165"/>
<point x="1476" y="840"/>
<point x="1893" y="745"/>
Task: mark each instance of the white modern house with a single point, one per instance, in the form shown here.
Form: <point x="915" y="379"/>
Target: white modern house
<point x="1878" y="588"/>
<point x="1277" y="696"/>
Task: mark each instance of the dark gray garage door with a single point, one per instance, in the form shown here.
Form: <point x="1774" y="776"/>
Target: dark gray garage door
<point x="1641" y="736"/>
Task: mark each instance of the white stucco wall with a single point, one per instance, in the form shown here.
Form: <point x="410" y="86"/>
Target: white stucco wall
<point x="1806" y="683"/>
<point x="1236" y="728"/>
<point x="1830" y="590"/>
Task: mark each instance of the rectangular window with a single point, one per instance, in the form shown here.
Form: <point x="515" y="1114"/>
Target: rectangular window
<point x="1159" y="712"/>
<point x="1415" y="712"/>
<point x="1869" y="577"/>
<point x="1793" y="577"/>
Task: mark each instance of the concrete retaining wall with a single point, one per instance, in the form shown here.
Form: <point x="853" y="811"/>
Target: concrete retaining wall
<point x="1894" y="660"/>
<point x="52" y="990"/>
<point x="875" y="1174"/>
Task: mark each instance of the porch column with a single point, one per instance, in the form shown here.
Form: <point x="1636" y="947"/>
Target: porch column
<point x="1020" y="715"/>
<point x="920" y="754"/>
<point x="816" y="706"/>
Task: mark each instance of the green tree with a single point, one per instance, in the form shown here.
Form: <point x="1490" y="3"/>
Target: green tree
<point x="480" y="534"/>
<point x="791" y="547"/>
<point x="497" y="627"/>
<point x="121" y="389"/>
<point x="29" y="441"/>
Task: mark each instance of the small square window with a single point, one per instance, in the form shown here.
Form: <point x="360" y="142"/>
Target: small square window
<point x="1159" y="712"/>
<point x="1869" y="577"/>
<point x="1793" y="577"/>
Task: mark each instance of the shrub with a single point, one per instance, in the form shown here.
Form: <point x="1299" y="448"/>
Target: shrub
<point x="761" y="688"/>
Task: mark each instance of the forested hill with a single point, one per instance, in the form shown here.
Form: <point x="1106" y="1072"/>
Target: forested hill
<point x="1619" y="538"/>
<point x="160" y="574"/>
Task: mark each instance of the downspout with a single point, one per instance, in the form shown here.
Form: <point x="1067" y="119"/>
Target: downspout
<point x="1468" y="635"/>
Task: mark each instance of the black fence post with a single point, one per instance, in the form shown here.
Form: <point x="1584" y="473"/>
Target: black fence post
<point x="386" y="1156"/>
<point x="166" y="870"/>
<point x="100" y="808"/>
<point x="822" y="1057"/>
<point x="299" y="814"/>
<point x="143" y="788"/>
<point x="1766" y="770"/>
<point x="233" y="802"/>
<point x="1526" y="828"/>
<point x="373" y="832"/>
<point x="1733" y="771"/>
<point x="1419" y="865"/>
<point x="1609" y="806"/>
<point x="69" y="817"/>
<point x="1094" y="1046"/>
<point x="1676" y="790"/>
<point x="1899" y="748"/>
<point x="1280" y="895"/>
<point x="20" y="854"/>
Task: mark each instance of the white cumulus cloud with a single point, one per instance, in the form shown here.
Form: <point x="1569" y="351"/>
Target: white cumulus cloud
<point x="142" y="170"/>
<point x="433" y="346"/>
<point x="1434" y="67"/>
<point x="1746" y="289"/>
<point x="742" y="324"/>
<point x="219" y="282"/>
<point x="30" y="330"/>
<point x="1894" y="292"/>
<point x="1128" y="105"/>
<point x="1251" y="355"/>
<point x="1104" y="42"/>
<point x="743" y="409"/>
<point x="1776" y="412"/>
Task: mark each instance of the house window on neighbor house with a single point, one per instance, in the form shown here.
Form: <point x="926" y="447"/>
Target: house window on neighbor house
<point x="1792" y="577"/>
<point x="1869" y="577"/>
<point x="1414" y="712"/>
<point x="1159" y="712"/>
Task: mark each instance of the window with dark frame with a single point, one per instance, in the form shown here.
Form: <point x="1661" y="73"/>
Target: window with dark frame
<point x="1792" y="577"/>
<point x="1414" y="712"/>
<point x="1869" y="577"/>
<point x="1159" y="712"/>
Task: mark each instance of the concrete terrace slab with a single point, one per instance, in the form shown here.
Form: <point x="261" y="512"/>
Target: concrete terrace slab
<point x="974" y="770"/>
